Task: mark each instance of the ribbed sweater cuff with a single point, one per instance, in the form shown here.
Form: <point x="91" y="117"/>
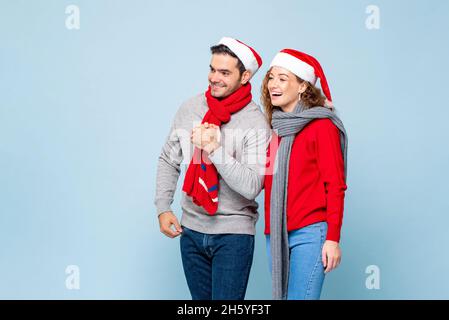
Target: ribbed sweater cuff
<point x="333" y="232"/>
<point x="163" y="205"/>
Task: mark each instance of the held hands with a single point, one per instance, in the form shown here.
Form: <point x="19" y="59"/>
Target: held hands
<point x="331" y="255"/>
<point x="166" y="220"/>
<point x="206" y="136"/>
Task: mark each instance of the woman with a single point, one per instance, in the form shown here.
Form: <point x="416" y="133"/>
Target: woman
<point x="305" y="179"/>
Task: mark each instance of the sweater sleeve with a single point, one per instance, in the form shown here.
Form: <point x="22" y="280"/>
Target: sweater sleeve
<point x="247" y="175"/>
<point x="168" y="169"/>
<point x="331" y="167"/>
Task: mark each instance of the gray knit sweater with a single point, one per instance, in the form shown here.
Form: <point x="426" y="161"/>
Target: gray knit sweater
<point x="240" y="162"/>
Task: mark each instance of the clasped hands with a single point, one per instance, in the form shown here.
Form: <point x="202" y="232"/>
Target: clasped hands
<point x="206" y="136"/>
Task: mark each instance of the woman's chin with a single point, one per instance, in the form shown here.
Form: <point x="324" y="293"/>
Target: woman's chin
<point x="275" y="104"/>
<point x="278" y="105"/>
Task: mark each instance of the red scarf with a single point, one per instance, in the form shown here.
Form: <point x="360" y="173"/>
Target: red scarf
<point x="201" y="180"/>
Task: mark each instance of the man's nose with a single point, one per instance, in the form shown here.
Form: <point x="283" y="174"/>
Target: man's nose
<point x="214" y="78"/>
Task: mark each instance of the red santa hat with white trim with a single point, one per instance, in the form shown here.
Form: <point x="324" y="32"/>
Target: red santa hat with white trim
<point x="304" y="66"/>
<point x="250" y="58"/>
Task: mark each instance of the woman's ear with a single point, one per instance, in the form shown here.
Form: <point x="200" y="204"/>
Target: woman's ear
<point x="302" y="87"/>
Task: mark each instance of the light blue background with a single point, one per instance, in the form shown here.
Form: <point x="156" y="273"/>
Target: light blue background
<point x="83" y="116"/>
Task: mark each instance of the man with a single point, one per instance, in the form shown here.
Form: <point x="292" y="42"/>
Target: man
<point x="226" y="159"/>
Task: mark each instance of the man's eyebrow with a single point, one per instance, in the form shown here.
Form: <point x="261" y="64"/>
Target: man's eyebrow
<point x="220" y="70"/>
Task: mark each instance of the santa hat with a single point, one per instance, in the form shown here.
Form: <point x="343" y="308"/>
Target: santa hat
<point x="249" y="57"/>
<point x="304" y="66"/>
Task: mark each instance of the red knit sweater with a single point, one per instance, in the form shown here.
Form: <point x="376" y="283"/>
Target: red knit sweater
<point x="316" y="184"/>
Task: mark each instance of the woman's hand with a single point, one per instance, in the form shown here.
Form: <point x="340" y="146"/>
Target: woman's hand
<point x="331" y="255"/>
<point x="206" y="137"/>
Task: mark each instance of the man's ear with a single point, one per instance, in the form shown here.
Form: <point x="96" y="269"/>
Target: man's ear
<point x="246" y="76"/>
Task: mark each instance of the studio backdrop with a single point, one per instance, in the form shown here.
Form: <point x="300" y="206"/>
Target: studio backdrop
<point x="88" y="90"/>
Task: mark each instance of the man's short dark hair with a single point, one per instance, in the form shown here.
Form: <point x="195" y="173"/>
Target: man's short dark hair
<point x="222" y="49"/>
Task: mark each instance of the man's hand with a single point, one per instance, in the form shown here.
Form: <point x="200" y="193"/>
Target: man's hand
<point x="328" y="104"/>
<point x="166" y="220"/>
<point x="331" y="255"/>
<point x="206" y="137"/>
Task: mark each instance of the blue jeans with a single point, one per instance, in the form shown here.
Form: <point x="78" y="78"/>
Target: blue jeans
<point x="216" y="266"/>
<point x="306" y="275"/>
